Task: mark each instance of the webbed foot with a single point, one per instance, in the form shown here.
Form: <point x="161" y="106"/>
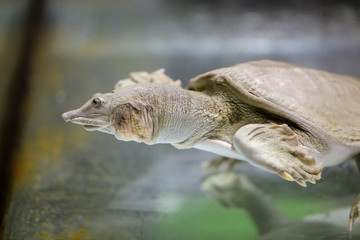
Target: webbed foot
<point x="277" y="149"/>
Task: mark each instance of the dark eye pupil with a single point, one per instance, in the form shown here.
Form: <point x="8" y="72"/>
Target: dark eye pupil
<point x="97" y="102"/>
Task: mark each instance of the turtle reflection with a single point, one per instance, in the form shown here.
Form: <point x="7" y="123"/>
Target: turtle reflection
<point x="235" y="190"/>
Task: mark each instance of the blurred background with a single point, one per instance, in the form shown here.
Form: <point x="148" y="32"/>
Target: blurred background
<point x="58" y="181"/>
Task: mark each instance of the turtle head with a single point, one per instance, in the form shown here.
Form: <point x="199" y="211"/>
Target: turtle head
<point x="127" y="112"/>
<point x="94" y="114"/>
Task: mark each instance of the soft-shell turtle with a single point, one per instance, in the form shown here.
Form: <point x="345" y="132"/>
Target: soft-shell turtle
<point x="275" y="115"/>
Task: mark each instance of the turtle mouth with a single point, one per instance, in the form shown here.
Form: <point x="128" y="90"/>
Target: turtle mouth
<point x="92" y="127"/>
<point x="90" y="124"/>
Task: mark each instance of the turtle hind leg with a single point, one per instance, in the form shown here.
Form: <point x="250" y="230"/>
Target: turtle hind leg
<point x="277" y="149"/>
<point x="216" y="163"/>
<point x="355" y="208"/>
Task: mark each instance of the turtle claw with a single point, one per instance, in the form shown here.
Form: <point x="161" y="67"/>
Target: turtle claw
<point x="301" y="182"/>
<point x="286" y="176"/>
<point x="354" y="212"/>
<point x="351" y="223"/>
<point x="318" y="176"/>
<point x="312" y="180"/>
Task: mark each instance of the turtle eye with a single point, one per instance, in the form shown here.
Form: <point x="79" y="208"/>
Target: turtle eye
<point x="97" y="102"/>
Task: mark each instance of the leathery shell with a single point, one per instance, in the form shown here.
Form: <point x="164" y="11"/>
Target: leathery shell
<point x="326" y="104"/>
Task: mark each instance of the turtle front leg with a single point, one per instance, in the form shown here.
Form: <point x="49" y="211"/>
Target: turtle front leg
<point x="277" y="149"/>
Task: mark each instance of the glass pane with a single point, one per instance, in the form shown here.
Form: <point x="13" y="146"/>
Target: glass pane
<point x="73" y="184"/>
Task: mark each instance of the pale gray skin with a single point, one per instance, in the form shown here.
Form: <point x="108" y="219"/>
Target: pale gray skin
<point x="275" y="115"/>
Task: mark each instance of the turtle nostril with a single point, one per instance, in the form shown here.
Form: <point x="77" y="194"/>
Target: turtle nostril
<point x="67" y="116"/>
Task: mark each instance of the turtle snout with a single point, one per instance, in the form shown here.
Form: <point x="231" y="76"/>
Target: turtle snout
<point x="67" y="116"/>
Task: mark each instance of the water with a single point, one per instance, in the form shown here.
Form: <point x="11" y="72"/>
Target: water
<point x="73" y="184"/>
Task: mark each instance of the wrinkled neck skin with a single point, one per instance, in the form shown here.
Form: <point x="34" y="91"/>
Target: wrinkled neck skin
<point x="185" y="115"/>
<point x="173" y="115"/>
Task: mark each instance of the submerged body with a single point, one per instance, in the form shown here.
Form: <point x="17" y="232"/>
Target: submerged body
<point x="275" y="115"/>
